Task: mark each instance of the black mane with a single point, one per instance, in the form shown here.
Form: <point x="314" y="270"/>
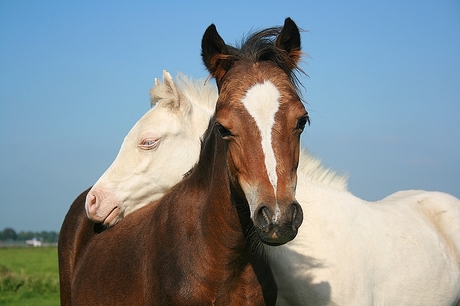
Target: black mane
<point x="260" y="46"/>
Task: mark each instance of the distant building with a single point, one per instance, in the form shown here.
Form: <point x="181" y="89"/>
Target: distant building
<point x="34" y="242"/>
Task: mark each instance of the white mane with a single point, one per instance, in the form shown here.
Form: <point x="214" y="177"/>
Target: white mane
<point x="200" y="92"/>
<point x="311" y="169"/>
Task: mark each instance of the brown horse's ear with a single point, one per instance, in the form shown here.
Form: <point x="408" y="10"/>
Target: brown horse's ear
<point x="289" y="41"/>
<point x="215" y="53"/>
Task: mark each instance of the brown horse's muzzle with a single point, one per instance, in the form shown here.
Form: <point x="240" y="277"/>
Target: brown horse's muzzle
<point x="278" y="227"/>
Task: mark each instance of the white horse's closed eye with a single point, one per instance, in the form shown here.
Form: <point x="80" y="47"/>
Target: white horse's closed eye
<point x="149" y="143"/>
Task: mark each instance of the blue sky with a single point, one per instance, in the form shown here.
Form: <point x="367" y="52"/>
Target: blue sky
<point x="383" y="89"/>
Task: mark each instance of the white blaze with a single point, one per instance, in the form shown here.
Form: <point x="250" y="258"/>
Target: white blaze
<point x="262" y="103"/>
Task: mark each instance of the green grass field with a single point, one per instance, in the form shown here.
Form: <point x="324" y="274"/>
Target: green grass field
<point x="29" y="276"/>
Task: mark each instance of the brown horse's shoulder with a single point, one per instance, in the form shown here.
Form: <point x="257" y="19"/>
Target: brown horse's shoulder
<point x="75" y="232"/>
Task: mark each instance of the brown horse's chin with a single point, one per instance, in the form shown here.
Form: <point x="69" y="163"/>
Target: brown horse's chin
<point x="276" y="236"/>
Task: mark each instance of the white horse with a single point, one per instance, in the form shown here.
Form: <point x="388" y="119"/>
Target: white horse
<point x="402" y="250"/>
<point x="158" y="150"/>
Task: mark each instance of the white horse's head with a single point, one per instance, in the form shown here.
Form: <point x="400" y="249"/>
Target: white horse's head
<point x="160" y="148"/>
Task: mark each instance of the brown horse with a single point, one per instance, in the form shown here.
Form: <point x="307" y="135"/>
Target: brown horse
<point x="200" y="243"/>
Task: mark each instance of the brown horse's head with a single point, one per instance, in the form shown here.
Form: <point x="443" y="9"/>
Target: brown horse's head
<point x="257" y="89"/>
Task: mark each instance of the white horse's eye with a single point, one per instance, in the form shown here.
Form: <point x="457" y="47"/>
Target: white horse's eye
<point x="149" y="143"/>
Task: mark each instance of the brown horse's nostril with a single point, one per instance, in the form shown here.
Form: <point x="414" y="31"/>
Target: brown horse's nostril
<point x="263" y="218"/>
<point x="297" y="215"/>
<point x="281" y="230"/>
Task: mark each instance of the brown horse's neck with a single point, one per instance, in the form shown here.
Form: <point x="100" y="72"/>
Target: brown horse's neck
<point x="228" y="247"/>
<point x="222" y="204"/>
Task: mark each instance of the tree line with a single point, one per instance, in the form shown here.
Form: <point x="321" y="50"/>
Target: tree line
<point x="43" y="236"/>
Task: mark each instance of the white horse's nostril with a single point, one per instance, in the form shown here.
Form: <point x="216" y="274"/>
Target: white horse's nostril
<point x="93" y="199"/>
<point x="92" y="203"/>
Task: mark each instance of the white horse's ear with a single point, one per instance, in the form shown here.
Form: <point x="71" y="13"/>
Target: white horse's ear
<point x="169" y="94"/>
<point x="163" y="91"/>
<point x="171" y="89"/>
<point x="183" y="103"/>
<point x="167" y="78"/>
<point x="154" y="97"/>
<point x="178" y="100"/>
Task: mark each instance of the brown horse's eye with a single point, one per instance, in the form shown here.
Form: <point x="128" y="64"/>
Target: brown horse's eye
<point x="224" y="132"/>
<point x="302" y="122"/>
